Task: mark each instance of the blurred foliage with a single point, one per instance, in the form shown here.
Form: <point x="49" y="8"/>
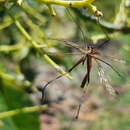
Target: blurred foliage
<point x="24" y="27"/>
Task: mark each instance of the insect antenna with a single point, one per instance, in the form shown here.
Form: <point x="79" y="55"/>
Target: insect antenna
<point x="104" y="31"/>
<point x="78" y="25"/>
<point x="107" y="40"/>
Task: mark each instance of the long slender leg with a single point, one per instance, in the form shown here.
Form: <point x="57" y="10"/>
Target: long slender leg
<point x="87" y="75"/>
<point x="84" y="80"/>
<point x="80" y="105"/>
<point x="77" y="63"/>
<point x="46" y="85"/>
<point x="58" y="77"/>
<point x="89" y="66"/>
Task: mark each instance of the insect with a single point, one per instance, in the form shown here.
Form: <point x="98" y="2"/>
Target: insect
<point x="89" y="53"/>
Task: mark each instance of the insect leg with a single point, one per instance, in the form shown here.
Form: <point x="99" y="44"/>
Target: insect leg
<point x="87" y="76"/>
<point x="58" y="77"/>
<point x="77" y="63"/>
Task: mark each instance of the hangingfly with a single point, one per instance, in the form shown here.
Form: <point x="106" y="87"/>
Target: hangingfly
<point x="88" y="54"/>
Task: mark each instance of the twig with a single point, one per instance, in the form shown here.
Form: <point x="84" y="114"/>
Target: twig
<point x="23" y="110"/>
<point x="78" y="4"/>
<point x="58" y="68"/>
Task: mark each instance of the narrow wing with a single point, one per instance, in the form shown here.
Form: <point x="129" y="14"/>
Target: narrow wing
<point x="72" y="44"/>
<point x="105" y="81"/>
<point x="105" y="62"/>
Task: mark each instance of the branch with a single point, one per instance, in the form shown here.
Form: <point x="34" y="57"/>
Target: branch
<point x="27" y="36"/>
<point x="105" y="24"/>
<point x="78" y="4"/>
<point x="23" y="110"/>
<point x="36" y="45"/>
<point x="57" y="67"/>
<point x="14" y="79"/>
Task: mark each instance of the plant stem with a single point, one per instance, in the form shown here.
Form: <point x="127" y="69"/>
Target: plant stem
<point x="76" y="3"/>
<point x="23" y="110"/>
<point x="28" y="37"/>
<point x="50" y="61"/>
<point x="58" y="68"/>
